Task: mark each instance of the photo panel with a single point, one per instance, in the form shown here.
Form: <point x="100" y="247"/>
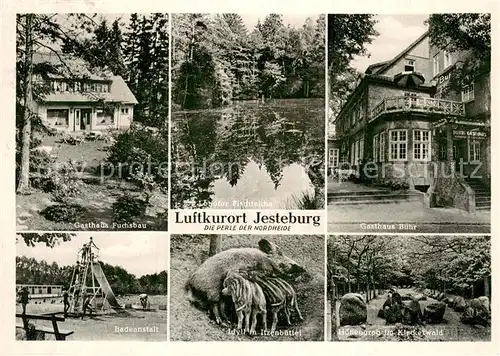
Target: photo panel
<point x="248" y="111"/>
<point x="92" y="121"/>
<point x="409" y="288"/>
<point x="247" y="288"/>
<point x="91" y="286"/>
<point x="409" y="136"/>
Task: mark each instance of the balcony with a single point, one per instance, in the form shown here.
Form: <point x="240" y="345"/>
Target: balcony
<point x="418" y="104"/>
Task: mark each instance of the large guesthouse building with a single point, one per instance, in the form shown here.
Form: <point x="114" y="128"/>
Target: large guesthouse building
<point x="82" y="101"/>
<point x="398" y="126"/>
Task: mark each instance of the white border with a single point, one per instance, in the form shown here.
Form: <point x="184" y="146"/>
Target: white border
<point x="7" y="144"/>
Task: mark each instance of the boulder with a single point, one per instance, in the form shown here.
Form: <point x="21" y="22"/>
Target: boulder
<point x="388" y="302"/>
<point x="412" y="313"/>
<point x="434" y="313"/>
<point x="352" y="310"/>
<point x="394" y="314"/>
<point x="485" y="301"/>
<point x="459" y="304"/>
<point x="475" y="313"/>
<point x="396" y="298"/>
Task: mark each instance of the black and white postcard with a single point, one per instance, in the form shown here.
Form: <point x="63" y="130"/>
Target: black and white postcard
<point x="248" y="111"/>
<point x="247" y="288"/>
<point x="409" y="145"/>
<point x="83" y="286"/>
<point x="409" y="288"/>
<point x="92" y="121"/>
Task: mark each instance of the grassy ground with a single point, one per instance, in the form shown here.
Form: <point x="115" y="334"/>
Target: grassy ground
<point x="97" y="196"/>
<point x="191" y="324"/>
<point x="109" y="325"/>
<point x="377" y="330"/>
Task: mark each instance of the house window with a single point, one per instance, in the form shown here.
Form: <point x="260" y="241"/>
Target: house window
<point x="375" y="147"/>
<point x="361" y="148"/>
<point x="447" y="59"/>
<point x="474" y="151"/>
<point x="442" y="151"/>
<point x="398" y="145"/>
<point x="78" y="86"/>
<point x="421" y="145"/>
<point x="124" y="111"/>
<point x="105" y="116"/>
<point x="468" y="93"/>
<point x="409" y="65"/>
<point x="381" y="154"/>
<point x="333" y="157"/>
<point x="58" y="117"/>
<point x="435" y="64"/>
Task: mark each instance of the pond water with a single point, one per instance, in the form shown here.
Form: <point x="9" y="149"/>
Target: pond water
<point x="250" y="155"/>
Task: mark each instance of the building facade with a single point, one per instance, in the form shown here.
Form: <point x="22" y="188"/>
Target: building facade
<point x="85" y="102"/>
<point x="397" y="125"/>
<point x="41" y="289"/>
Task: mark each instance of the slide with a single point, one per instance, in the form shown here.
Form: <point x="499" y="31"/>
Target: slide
<point x="104" y="284"/>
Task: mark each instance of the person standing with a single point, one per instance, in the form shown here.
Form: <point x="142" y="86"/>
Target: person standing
<point x="24" y="296"/>
<point x="144" y="300"/>
<point x="86" y="305"/>
<point x="66" y="302"/>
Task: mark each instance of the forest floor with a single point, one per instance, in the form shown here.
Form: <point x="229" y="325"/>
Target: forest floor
<point x="129" y="325"/>
<point x="191" y="324"/>
<point x="452" y="329"/>
<point x="97" y="196"/>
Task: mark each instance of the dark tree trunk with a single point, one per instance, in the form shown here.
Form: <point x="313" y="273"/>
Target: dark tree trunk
<point x="215" y="245"/>
<point x="334" y="310"/>
<point x="28" y="109"/>
<point x="487" y="287"/>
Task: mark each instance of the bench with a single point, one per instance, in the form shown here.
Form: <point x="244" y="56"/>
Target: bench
<point x="59" y="334"/>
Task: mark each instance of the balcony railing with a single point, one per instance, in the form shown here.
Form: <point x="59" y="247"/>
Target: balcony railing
<point x="418" y="104"/>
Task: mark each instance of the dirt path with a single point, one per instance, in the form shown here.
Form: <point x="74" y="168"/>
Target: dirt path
<point x="377" y="330"/>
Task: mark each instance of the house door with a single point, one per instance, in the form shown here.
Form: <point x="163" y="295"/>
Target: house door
<point x="85" y="120"/>
<point x="76" y="122"/>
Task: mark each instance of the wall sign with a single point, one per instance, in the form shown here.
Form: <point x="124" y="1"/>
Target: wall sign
<point x="471" y="134"/>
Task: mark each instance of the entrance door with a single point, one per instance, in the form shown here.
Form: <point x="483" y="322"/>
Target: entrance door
<point x="85" y="121"/>
<point x="76" y="122"/>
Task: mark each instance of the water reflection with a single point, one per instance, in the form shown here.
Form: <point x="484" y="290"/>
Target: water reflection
<point x="249" y="155"/>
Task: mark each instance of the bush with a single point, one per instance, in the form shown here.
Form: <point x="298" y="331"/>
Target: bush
<point x="64" y="182"/>
<point x="141" y="151"/>
<point x="63" y="212"/>
<point x="128" y="207"/>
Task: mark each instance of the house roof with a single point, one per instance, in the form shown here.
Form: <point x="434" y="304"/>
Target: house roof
<point x="119" y="93"/>
<point x="64" y="66"/>
<point x="402" y="53"/>
<point x="373" y="67"/>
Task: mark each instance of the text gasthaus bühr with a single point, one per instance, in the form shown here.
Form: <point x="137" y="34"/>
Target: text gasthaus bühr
<point x="243" y="218"/>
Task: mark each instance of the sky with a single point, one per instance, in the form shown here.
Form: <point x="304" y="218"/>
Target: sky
<point x="137" y="252"/>
<point x="250" y="20"/>
<point x="294" y="20"/>
<point x="396" y="32"/>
